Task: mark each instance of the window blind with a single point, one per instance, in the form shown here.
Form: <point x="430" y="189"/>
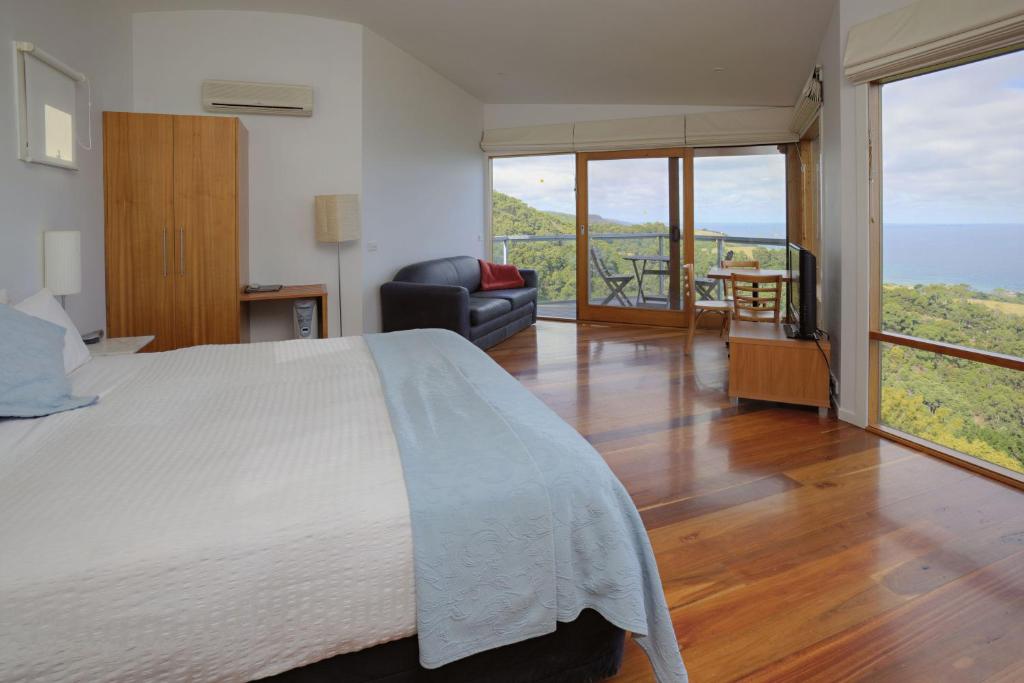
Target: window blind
<point x="808" y="105"/>
<point x="928" y="33"/>
<point x="548" y="139"/>
<point x="639" y="133"/>
<point x="738" y="127"/>
<point x="742" y="127"/>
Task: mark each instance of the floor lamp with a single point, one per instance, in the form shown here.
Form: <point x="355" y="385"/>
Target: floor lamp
<point x="337" y="221"/>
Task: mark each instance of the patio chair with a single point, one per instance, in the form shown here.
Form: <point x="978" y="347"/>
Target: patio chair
<point x="616" y="283"/>
<point x="696" y="308"/>
<point x="757" y="298"/>
<point x="728" y="262"/>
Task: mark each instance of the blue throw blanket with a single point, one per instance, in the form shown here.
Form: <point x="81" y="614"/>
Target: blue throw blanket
<point x="517" y="522"/>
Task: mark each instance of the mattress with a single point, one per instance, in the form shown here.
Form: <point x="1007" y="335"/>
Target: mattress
<point x="223" y="513"/>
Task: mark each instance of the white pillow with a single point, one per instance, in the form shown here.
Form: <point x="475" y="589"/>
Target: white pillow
<point x="43" y="305"/>
<point x="3" y="296"/>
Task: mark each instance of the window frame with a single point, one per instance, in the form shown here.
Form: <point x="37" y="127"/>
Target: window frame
<point x="877" y="335"/>
<point x="28" y="121"/>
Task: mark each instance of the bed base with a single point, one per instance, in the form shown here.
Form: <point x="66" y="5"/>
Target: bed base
<point x="588" y="649"/>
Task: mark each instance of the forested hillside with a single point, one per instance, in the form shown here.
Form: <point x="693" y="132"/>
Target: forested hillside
<point x="968" y="406"/>
<point x="555" y="260"/>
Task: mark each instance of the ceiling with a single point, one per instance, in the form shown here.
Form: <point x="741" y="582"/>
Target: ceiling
<point x="722" y="52"/>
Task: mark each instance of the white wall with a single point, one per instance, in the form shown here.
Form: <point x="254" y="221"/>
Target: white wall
<point x="512" y="115"/>
<point x="291" y="159"/>
<point x="33" y="197"/>
<point x="831" y="193"/>
<point x="423" y="171"/>
<point x="845" y="208"/>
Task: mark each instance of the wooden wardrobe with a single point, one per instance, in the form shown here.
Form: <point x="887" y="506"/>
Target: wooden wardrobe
<point x="176" y="213"/>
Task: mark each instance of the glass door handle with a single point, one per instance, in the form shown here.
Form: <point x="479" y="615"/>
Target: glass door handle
<point x="674" y="233"/>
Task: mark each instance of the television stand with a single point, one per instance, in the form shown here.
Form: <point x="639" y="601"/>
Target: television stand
<point x="765" y="364"/>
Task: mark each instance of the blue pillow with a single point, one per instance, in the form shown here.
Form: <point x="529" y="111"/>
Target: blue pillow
<point x="32" y="379"/>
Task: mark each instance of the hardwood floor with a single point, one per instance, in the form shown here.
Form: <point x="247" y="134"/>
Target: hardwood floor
<point x="791" y="547"/>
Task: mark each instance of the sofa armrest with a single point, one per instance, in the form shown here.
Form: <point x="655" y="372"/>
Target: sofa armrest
<point x="529" y="276"/>
<point x="413" y="305"/>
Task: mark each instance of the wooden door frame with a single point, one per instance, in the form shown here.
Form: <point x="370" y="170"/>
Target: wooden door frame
<point x="585" y="311"/>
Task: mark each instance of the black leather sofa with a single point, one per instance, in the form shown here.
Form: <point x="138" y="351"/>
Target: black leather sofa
<point x="446" y="293"/>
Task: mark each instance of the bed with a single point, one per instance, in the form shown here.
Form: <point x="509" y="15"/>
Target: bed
<point x="237" y="512"/>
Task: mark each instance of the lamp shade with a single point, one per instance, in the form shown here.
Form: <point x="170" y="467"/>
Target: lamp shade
<point x="337" y="218"/>
<point x="62" y="261"/>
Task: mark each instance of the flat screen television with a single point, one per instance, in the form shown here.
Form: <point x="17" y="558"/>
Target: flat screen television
<point x="802" y="296"/>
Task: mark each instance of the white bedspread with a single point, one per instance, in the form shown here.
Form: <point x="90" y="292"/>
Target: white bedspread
<point x="223" y="513"/>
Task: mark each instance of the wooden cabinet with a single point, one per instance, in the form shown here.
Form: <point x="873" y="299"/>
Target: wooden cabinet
<point x="175" y="190"/>
<point x="765" y="365"/>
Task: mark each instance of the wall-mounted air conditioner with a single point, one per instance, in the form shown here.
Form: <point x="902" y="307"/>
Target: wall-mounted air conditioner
<point x="237" y="97"/>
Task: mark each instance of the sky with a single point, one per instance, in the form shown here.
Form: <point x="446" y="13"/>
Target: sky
<point x="953" y="153"/>
<point x="748" y="189"/>
<point x="953" y="145"/>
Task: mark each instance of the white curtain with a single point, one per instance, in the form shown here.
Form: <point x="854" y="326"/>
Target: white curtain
<point x="548" y="139"/>
<point x="928" y="33"/>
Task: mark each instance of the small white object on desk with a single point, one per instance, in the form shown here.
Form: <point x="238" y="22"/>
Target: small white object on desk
<point x="114" y="346"/>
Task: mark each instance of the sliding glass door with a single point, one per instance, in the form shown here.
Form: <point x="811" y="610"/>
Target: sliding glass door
<point x="634" y="233"/>
<point x="533" y="205"/>
<point x="947" y="329"/>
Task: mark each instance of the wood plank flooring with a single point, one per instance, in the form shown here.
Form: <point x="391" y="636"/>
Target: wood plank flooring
<point x="791" y="547"/>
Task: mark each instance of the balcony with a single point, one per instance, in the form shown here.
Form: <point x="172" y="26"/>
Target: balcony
<point x="554" y="258"/>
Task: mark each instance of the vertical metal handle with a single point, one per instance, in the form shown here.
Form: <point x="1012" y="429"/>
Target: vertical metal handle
<point x="165" y="250"/>
<point x="181" y="250"/>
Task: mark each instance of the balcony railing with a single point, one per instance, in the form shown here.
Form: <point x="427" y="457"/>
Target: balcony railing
<point x="718" y="245"/>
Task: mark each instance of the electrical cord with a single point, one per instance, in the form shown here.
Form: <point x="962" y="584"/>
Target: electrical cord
<point x="818" y="334"/>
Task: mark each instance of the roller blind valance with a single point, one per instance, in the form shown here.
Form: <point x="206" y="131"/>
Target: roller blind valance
<point x="808" y="105"/>
<point x="928" y="33"/>
<point x="743" y="127"/>
<point x="547" y="139"/>
<point x="640" y="133"/>
<point x="739" y="127"/>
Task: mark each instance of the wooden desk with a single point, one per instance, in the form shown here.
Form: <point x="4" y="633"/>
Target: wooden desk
<point x="717" y="273"/>
<point x="294" y="292"/>
<point x="766" y="365"/>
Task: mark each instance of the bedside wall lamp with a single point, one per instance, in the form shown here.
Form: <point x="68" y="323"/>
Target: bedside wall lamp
<point x="62" y="263"/>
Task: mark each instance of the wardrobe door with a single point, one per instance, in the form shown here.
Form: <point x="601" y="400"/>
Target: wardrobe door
<point x="138" y="181"/>
<point x="205" y="230"/>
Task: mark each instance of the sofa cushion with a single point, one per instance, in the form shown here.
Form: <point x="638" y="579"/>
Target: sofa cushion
<point x="517" y="297"/>
<point x="482" y="310"/>
<point x="462" y="271"/>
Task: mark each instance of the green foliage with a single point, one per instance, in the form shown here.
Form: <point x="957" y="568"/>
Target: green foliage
<point x="972" y="407"/>
<point x="555" y="260"/>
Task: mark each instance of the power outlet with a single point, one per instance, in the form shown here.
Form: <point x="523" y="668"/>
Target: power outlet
<point x="371" y="246"/>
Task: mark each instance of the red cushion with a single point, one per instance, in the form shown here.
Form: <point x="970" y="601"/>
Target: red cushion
<point x="497" y="276"/>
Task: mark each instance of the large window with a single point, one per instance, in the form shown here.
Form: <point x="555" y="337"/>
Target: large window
<point x="739" y="199"/>
<point x="948" y="326"/>
<point x="533" y="224"/>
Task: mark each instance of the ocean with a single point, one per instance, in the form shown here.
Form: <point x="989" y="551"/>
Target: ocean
<point x="986" y="257"/>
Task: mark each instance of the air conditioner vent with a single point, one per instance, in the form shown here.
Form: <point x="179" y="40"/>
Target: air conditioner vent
<point x="237" y="97"/>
